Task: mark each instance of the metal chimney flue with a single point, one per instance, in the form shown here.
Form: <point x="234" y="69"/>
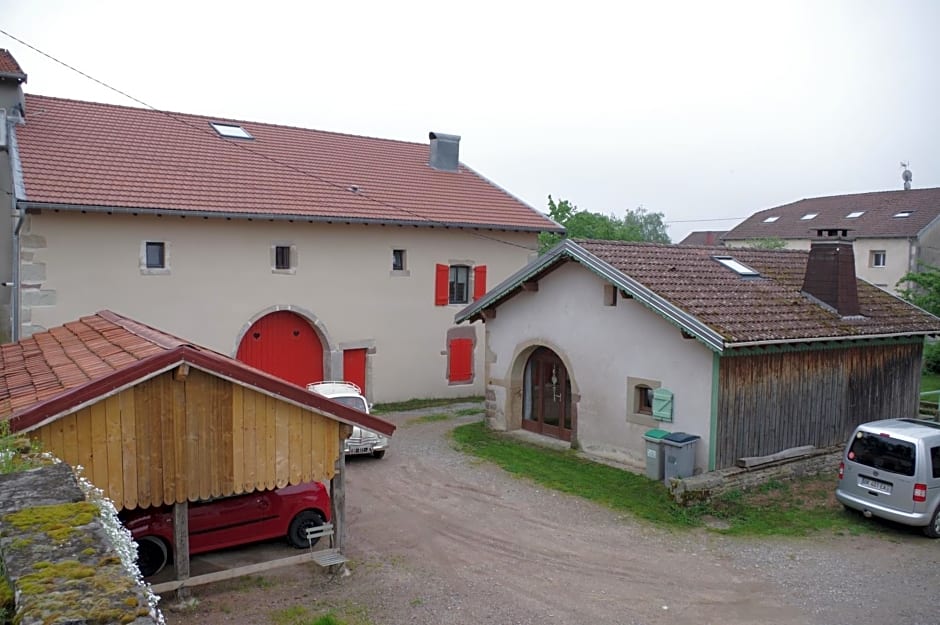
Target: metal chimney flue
<point x="830" y="272"/>
<point x="445" y="151"/>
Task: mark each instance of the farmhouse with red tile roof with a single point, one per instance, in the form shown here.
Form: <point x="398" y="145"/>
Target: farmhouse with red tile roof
<point x="893" y="231"/>
<point x="753" y="351"/>
<point x="309" y="254"/>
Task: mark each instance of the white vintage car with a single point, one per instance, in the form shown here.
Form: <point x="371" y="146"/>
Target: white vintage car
<point x="361" y="441"/>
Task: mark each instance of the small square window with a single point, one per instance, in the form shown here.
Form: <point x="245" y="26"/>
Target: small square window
<point x="643" y="399"/>
<point x="878" y="258"/>
<point x="808" y="216"/>
<point x="771" y="219"/>
<point x="282" y="257"/>
<point x="155" y="255"/>
<point x="398" y="260"/>
<point x="855" y="214"/>
<point x="903" y="214"/>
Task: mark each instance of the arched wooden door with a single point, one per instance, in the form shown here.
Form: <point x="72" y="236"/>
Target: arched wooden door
<point x="546" y="395"/>
<point x="283" y="344"/>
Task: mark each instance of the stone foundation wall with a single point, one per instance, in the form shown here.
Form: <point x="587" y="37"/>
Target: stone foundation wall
<point x="59" y="558"/>
<point x="707" y="485"/>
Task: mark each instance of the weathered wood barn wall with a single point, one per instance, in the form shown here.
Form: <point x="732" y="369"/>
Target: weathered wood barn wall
<point x="772" y="399"/>
<point x="188" y="435"/>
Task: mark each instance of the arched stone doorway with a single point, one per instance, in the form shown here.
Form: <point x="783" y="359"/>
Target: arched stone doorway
<point x="546" y="395"/>
<point x="284" y="344"/>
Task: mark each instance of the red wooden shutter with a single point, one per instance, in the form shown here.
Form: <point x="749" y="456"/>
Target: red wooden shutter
<point x="354" y="367"/>
<point x="441" y="282"/>
<point x="479" y="281"/>
<point x="460" y="365"/>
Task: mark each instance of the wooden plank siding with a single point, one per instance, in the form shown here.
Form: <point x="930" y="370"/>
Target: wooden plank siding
<point x="774" y="401"/>
<point x="198" y="437"/>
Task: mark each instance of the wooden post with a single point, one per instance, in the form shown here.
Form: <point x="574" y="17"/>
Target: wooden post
<point x="181" y="540"/>
<point x="338" y="498"/>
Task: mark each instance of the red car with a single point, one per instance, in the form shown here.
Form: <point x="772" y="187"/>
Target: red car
<point x="230" y="521"/>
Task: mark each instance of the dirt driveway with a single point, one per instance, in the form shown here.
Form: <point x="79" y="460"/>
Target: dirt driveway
<point x="438" y="537"/>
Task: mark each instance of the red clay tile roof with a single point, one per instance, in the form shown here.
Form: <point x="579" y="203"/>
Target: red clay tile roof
<point x="9" y="68"/>
<point x="53" y="372"/>
<point x="877" y="221"/>
<point x="725" y="310"/>
<point x="88" y="154"/>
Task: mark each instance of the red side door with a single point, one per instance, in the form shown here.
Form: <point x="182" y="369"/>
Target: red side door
<point x="284" y="344"/>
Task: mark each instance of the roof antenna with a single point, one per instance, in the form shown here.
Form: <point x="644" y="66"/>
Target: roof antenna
<point x="906" y="175"/>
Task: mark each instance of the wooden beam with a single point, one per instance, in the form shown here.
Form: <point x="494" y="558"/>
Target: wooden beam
<point x="238" y="571"/>
<point x="181" y="372"/>
<point x="488" y="313"/>
<point x="181" y="541"/>
<point x="338" y="498"/>
<point x="530" y="285"/>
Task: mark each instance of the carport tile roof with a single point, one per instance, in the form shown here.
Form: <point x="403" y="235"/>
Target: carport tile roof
<point x="77" y="154"/>
<point x="52" y="372"/>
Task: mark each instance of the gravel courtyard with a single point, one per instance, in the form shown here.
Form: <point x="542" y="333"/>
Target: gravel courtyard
<point x="438" y="537"/>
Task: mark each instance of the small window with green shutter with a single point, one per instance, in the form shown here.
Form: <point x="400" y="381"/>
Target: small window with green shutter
<point x="662" y="404"/>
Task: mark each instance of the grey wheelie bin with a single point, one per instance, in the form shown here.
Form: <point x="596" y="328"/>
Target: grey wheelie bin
<point x="679" y="451"/>
<point x="654" y="453"/>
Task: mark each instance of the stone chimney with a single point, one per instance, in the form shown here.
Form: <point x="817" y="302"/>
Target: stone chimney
<point x="445" y="151"/>
<point x="830" y="272"/>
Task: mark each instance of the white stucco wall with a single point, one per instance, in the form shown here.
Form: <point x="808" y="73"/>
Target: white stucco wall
<point x="220" y="279"/>
<point x="602" y="346"/>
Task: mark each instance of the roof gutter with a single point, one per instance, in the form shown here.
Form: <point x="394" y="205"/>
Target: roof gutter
<point x="823" y="339"/>
<point x="208" y="214"/>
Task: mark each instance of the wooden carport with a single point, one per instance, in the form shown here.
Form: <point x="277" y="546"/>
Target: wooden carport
<point x="155" y="420"/>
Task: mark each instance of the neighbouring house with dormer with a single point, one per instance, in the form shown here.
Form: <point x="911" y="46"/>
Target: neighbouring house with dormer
<point x="754" y="351"/>
<point x="894" y="232"/>
<point x="311" y="255"/>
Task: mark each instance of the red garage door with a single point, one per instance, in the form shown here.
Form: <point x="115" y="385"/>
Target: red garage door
<point x="283" y="344"/>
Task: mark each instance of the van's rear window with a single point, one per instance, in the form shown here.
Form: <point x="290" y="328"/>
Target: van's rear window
<point x="883" y="453"/>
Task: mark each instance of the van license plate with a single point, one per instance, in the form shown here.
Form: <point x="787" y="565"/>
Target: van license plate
<point x="362" y="450"/>
<point x="881" y="487"/>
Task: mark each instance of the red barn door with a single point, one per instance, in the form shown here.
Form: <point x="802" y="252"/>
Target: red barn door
<point x="283" y="344"/>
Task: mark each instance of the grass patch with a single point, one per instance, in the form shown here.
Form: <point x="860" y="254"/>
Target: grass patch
<point x="792" y="508"/>
<point x="429" y="418"/>
<point x="468" y="412"/>
<point x="929" y="382"/>
<point x="417" y="404"/>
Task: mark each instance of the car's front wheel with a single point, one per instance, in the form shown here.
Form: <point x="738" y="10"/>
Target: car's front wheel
<point x="152" y="555"/>
<point x="378" y="454"/>
<point x="297" y="532"/>
<point x="933" y="528"/>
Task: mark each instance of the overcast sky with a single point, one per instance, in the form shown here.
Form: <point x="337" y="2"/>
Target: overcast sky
<point x="703" y="111"/>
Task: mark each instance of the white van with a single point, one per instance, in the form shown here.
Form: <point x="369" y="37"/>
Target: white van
<point x="361" y="441"/>
<point x="891" y="469"/>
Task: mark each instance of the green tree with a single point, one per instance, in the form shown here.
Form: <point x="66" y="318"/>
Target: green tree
<point x="922" y="288"/>
<point x="637" y="225"/>
<point x="767" y="243"/>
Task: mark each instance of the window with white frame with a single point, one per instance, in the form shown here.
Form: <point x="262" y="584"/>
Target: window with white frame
<point x="877" y="258"/>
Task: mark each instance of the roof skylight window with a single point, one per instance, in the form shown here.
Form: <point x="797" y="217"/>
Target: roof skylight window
<point x="231" y="131"/>
<point x="903" y="214"/>
<point x="808" y="216"/>
<point x="739" y="268"/>
<point x="855" y="214"/>
<point x="771" y="219"/>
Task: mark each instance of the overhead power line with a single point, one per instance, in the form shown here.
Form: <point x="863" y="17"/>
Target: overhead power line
<point x="247" y="148"/>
